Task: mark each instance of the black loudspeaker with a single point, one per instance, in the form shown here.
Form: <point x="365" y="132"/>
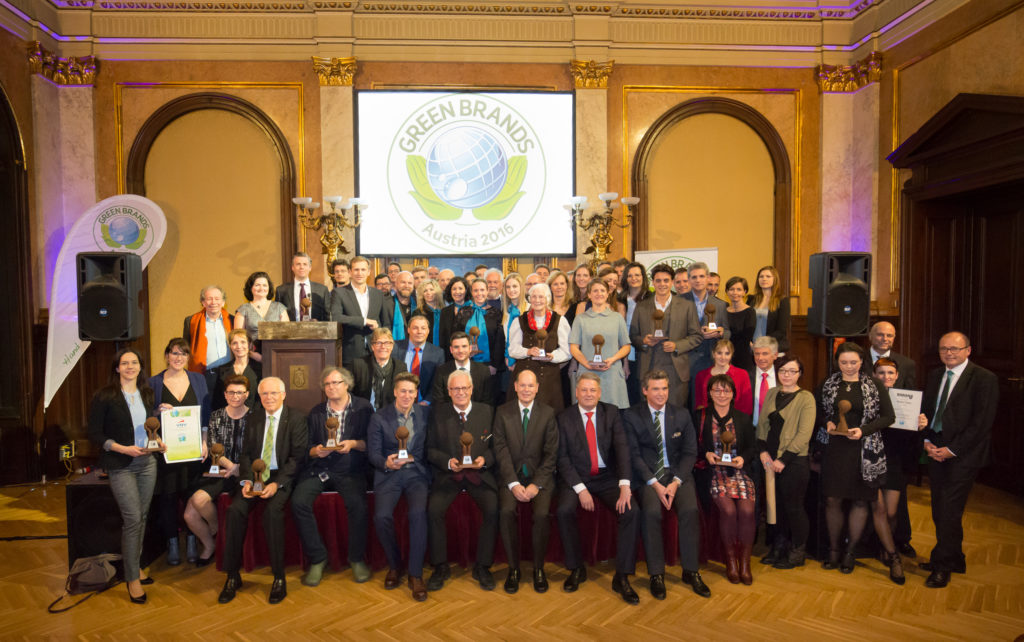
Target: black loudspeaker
<point x="109" y="285"/>
<point x="841" y="300"/>
<point x="94" y="522"/>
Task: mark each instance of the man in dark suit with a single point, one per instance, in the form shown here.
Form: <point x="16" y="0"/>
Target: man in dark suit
<point x="700" y="358"/>
<point x="664" y="448"/>
<point x="960" y="402"/>
<point x="593" y="461"/>
<point x="394" y="477"/>
<point x="459" y="346"/>
<point x="452" y="474"/>
<point x="526" y="449"/>
<point x="374" y="375"/>
<point x="421" y="357"/>
<point x="360" y="309"/>
<point x="277" y="437"/>
<point x="290" y="295"/>
<point x="336" y="462"/>
<point x="666" y="344"/>
<point x="882" y="335"/>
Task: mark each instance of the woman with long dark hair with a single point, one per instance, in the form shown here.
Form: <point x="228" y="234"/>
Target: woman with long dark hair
<point x="634" y="288"/>
<point x="771" y="307"/>
<point x="458" y="293"/>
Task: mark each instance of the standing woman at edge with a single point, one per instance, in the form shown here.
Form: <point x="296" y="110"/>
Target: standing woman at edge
<point x="117" y="417"/>
<point x="771" y="307"/>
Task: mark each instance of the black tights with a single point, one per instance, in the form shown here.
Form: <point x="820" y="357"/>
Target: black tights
<point x="736" y="521"/>
<point x="858" y="519"/>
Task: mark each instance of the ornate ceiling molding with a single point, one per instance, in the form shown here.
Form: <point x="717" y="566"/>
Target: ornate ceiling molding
<point x="334" y="72"/>
<point x="62" y="71"/>
<point x="587" y="74"/>
<point x="850" y="78"/>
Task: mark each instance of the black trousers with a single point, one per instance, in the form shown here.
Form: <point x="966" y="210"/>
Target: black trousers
<point x="508" y="521"/>
<point x="951" y="484"/>
<point x="604" y="488"/>
<point x="687" y="519"/>
<point x="790" y="491"/>
<point x="352" y="489"/>
<point x="273" y="528"/>
<point x="442" y="494"/>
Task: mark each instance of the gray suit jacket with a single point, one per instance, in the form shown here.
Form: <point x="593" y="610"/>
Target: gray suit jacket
<point x="345" y="310"/>
<point x="681" y="326"/>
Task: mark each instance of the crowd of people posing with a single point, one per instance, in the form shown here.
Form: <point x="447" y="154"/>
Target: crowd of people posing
<point x="639" y="391"/>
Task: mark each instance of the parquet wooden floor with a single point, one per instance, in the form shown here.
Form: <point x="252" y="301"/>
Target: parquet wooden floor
<point x="801" y="604"/>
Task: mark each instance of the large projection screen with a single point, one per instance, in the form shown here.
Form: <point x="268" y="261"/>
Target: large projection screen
<point x="465" y="173"/>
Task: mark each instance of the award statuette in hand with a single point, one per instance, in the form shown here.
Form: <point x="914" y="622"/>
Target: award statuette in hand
<point x="728" y="439"/>
<point x="402" y="435"/>
<point x="709" y="316"/>
<point x="658" y="317"/>
<point x="598" y="342"/>
<point x="216" y="452"/>
<point x="474" y="338"/>
<point x="466" y="440"/>
<point x="258" y="467"/>
<point x="306" y="304"/>
<point x="841" y="426"/>
<point x="539" y="337"/>
<point x="333" y="434"/>
<point x="153" y="435"/>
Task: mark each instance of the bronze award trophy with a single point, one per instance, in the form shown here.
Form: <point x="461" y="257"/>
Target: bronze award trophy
<point x="216" y="452"/>
<point x="598" y="342"/>
<point x="841" y="426"/>
<point x="474" y="337"/>
<point x="728" y="439"/>
<point x="658" y="316"/>
<point x="258" y="467"/>
<point x="402" y="435"/>
<point x="333" y="434"/>
<point x="306" y="304"/>
<point x="709" y="315"/>
<point x="467" y="445"/>
<point x="153" y="431"/>
<point x="539" y="337"/>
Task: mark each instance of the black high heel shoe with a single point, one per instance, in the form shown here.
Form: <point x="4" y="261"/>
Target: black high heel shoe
<point x="136" y="600"/>
<point x="847" y="563"/>
<point x="147" y="581"/>
<point x="832" y="562"/>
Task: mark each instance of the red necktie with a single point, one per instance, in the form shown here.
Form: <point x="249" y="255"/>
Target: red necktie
<point x="592" y="442"/>
<point x="762" y="393"/>
<point x="302" y="295"/>
<point x="415" y="362"/>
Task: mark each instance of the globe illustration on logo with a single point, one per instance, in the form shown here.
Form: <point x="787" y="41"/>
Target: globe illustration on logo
<point x="466" y="167"/>
<point x="124" y="230"/>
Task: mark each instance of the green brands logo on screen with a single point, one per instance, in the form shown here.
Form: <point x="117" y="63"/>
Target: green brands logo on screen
<point x="675" y="262"/>
<point x="122" y="228"/>
<point x="466" y="173"/>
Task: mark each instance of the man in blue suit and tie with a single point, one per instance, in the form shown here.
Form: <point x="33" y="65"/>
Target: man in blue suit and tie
<point x="395" y="475"/>
<point x="421" y="357"/>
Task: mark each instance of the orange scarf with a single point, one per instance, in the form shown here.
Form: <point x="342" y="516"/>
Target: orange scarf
<point x="197" y="360"/>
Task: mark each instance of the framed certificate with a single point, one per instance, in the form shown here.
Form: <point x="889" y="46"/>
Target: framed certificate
<point x="182" y="433"/>
<point x="907" y="404"/>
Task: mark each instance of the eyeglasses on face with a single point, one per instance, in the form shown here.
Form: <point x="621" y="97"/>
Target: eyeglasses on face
<point x="951" y="350"/>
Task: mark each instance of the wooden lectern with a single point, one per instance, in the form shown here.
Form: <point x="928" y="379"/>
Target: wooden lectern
<point x="297" y="352"/>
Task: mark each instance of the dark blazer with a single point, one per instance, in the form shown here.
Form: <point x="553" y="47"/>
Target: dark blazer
<point x="430" y="359"/>
<point x="444" y="334"/>
<point x="574" y="451"/>
<point x="344" y="308"/>
<point x="539" y="452"/>
<point x="109" y="418"/>
<point x="381" y="442"/>
<point x="907" y="379"/>
<point x="357" y="421"/>
<point x="682" y="327"/>
<point x="495" y="350"/>
<point x="968" y="416"/>
<point x="777" y="324"/>
<point x="721" y="318"/>
<point x="292" y="440"/>
<point x="362" y="373"/>
<point x="198" y="383"/>
<point x="444" y="432"/>
<point x="746" y="439"/>
<point x="681" y="442"/>
<point x="477" y="371"/>
<point x="320" y="296"/>
<point x="253" y="372"/>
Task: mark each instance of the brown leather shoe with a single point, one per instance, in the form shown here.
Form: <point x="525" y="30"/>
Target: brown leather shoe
<point x="393" y="579"/>
<point x="732" y="567"/>
<point x="419" y="589"/>
<point x="745" y="576"/>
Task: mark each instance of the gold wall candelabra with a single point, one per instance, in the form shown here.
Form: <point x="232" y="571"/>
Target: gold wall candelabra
<point x="331" y="223"/>
<point x="600" y="223"/>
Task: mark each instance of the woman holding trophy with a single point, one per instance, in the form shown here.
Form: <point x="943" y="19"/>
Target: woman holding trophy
<point x="538" y="340"/>
<point x="599" y="342"/>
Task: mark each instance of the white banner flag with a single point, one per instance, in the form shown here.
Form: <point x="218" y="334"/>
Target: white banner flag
<point x="123" y="223"/>
<point x="679" y="258"/>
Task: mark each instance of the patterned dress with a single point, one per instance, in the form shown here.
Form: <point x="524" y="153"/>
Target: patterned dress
<point x="726" y="481"/>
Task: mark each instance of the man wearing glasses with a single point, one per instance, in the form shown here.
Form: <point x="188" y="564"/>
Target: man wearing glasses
<point x="960" y="402"/>
<point x="375" y="373"/>
<point x="336" y="462"/>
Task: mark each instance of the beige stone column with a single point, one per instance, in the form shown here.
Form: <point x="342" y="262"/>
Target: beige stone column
<point x="336" y="134"/>
<point x="591" y="82"/>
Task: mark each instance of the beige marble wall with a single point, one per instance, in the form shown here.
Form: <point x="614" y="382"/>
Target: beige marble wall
<point x="338" y="159"/>
<point x="591" y="151"/>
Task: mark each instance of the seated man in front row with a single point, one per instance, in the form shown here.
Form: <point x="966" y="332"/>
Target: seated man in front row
<point x="394" y="476"/>
<point x="664" y="448"/>
<point x="593" y="460"/>
<point x="277" y="438"/>
<point x="452" y="474"/>
<point x="526" y="449"/>
<point x="336" y="462"/>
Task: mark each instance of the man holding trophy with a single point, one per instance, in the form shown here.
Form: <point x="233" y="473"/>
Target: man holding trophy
<point x="396" y="446"/>
<point x="336" y="462"/>
<point x="274" y="444"/>
<point x="459" y="449"/>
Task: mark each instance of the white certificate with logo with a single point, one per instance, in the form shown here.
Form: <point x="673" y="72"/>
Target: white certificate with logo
<point x="907" y="404"/>
<point x="182" y="434"/>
